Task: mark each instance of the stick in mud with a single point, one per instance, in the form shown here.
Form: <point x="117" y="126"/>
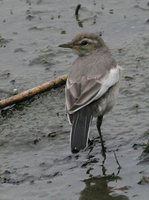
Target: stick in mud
<point x="77" y="15"/>
<point x="77" y="9"/>
<point x="61" y="80"/>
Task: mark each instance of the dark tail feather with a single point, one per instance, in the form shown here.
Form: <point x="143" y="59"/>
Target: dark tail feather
<point x="80" y="129"/>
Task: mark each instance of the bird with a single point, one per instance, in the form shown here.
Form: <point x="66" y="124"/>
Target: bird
<point x="91" y="88"/>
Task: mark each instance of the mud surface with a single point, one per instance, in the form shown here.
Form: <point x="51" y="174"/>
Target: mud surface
<point x="35" y="158"/>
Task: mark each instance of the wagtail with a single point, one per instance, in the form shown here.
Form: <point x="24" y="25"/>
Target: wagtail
<point x="92" y="86"/>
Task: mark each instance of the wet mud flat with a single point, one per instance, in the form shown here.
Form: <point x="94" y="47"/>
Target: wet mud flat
<point x="35" y="158"/>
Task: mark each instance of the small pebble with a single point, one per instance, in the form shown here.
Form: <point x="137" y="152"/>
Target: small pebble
<point x="49" y="181"/>
<point x="13" y="81"/>
<point x="30" y="17"/>
<point x="100" y="34"/>
<point x="120" y="50"/>
<point x="63" y="32"/>
<point x="36" y="140"/>
<point x="111" y="11"/>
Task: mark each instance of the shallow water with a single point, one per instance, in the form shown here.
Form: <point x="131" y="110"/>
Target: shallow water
<point x="35" y="158"/>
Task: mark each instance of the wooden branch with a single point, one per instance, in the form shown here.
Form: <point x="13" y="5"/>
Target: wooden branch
<point x="61" y="80"/>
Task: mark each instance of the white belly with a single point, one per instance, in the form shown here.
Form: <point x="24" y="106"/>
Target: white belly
<point x="106" y="103"/>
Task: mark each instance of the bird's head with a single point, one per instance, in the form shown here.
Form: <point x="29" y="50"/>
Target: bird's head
<point x="85" y="43"/>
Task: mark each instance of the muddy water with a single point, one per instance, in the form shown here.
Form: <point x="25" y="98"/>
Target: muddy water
<point x="35" y="158"/>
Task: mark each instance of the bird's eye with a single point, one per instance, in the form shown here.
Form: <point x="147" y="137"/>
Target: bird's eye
<point x="83" y="43"/>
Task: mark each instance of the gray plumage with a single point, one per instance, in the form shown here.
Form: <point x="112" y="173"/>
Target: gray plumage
<point x="91" y="86"/>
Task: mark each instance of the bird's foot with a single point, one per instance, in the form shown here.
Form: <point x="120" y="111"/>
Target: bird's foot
<point x="90" y="142"/>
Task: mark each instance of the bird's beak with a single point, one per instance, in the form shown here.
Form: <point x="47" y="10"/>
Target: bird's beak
<point x="67" y="45"/>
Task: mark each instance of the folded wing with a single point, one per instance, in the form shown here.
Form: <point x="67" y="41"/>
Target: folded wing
<point x="89" y="89"/>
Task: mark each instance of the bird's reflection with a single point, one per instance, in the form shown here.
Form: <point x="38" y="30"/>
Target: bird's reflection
<point x="96" y="188"/>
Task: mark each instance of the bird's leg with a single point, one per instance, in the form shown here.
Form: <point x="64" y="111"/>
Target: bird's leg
<point x="99" y="122"/>
<point x="90" y="142"/>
